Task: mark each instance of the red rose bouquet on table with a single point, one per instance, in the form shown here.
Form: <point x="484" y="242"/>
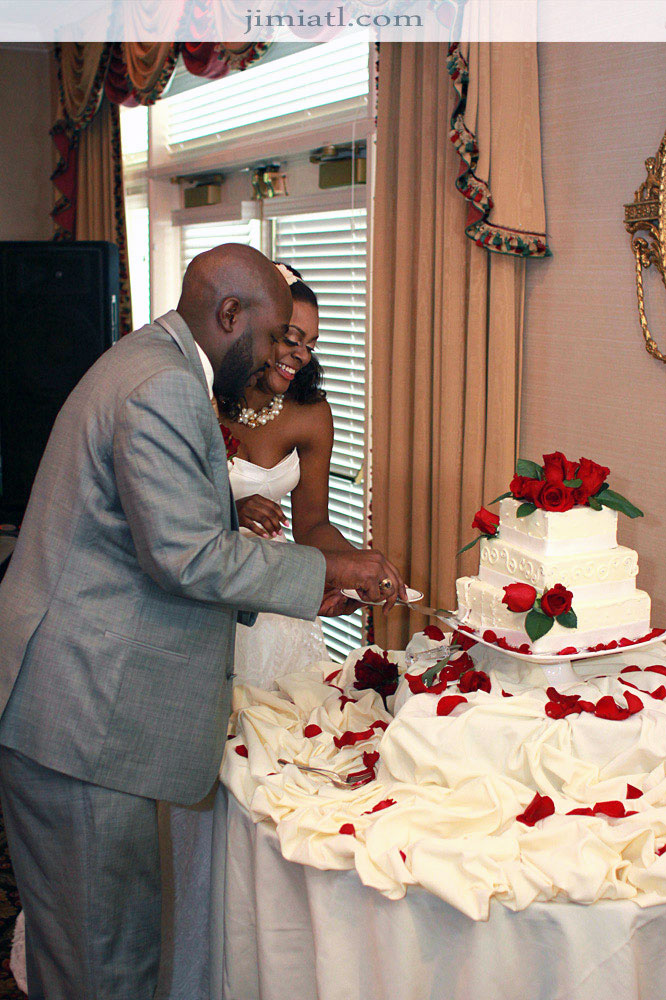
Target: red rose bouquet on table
<point x="375" y="672"/>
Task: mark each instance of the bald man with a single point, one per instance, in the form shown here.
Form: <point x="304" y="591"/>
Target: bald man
<point x="117" y="622"/>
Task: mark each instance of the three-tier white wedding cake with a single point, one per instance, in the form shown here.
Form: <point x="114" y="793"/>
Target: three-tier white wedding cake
<point x="555" y="580"/>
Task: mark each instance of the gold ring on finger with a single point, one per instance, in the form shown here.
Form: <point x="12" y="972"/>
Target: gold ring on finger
<point x="386" y="586"/>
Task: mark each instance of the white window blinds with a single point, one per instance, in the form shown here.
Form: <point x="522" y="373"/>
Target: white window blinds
<point x="204" y="236"/>
<point x="323" y="81"/>
<point x="329" y="249"/>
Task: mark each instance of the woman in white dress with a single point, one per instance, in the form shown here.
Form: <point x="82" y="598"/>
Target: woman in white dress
<point x="284" y="437"/>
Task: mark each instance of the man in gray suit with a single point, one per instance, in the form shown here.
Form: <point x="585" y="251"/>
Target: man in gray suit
<point x="117" y="621"/>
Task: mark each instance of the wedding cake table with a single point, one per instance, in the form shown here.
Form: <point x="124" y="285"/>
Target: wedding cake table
<point x="497" y="806"/>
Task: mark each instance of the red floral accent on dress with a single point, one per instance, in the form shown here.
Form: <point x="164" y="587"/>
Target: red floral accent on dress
<point x="232" y="444"/>
<point x="539" y="808"/>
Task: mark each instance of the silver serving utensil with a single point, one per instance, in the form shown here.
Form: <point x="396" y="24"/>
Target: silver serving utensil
<point x="339" y="780"/>
<point x="423" y="609"/>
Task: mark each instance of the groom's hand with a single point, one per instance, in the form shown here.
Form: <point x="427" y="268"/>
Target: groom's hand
<point x="364" y="570"/>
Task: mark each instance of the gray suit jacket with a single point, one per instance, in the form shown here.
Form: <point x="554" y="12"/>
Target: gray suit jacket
<point x="118" y="610"/>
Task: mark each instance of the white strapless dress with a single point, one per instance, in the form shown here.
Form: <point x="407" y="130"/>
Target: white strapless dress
<point x="275" y="644"/>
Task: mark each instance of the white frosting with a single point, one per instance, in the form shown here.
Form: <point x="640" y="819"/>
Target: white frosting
<point x="545" y="532"/>
<point x="502" y="563"/>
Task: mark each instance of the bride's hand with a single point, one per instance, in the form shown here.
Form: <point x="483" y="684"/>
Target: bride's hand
<point x="262" y="516"/>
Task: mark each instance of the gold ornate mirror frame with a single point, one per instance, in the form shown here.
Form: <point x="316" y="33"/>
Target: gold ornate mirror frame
<point x="647" y="213"/>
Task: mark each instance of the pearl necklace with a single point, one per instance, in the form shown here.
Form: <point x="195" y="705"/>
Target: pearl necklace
<point x="256" y="418"/>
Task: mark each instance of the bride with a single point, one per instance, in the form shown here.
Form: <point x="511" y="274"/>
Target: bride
<point x="282" y="441"/>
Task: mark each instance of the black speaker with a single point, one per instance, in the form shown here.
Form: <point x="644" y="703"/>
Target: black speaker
<point x="58" y="313"/>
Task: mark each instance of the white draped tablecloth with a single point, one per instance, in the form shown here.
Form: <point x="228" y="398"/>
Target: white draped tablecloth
<point x="286" y="931"/>
<point x="426" y="882"/>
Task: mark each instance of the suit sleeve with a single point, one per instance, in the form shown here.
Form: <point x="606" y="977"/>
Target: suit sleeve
<point x="179" y="524"/>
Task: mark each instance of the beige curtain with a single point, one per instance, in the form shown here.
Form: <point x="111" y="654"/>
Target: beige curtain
<point x="447" y="324"/>
<point x="100" y="211"/>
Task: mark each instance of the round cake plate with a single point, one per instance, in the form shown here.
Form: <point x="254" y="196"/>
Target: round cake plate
<point x="557" y="669"/>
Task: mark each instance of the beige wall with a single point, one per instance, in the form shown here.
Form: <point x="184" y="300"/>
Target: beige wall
<point x="589" y="386"/>
<point x="25" y="146"/>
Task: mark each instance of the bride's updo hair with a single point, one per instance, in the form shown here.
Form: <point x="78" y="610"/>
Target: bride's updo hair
<point x="306" y="386"/>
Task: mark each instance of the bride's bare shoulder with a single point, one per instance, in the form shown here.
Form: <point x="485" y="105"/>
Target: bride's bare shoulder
<point x="312" y="422"/>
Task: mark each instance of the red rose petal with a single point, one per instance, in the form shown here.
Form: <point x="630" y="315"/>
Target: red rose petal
<point x="370" y="758"/>
<point x="433" y="632"/>
<point x="311" y="731"/>
<point x="607" y="708"/>
<point x="659" y="694"/>
<point x="344" y="700"/>
<point x="446" y="704"/>
<point x="384" y="804"/>
<point x="350" y="738"/>
<point x="626" y="642"/>
<point x="416" y="685"/>
<point x="459" y="639"/>
<point x="583" y="811"/>
<point x="660" y="850"/>
<point x="348" y="828"/>
<point x="327" y="680"/>
<point x="403" y="856"/>
<point x="633" y="792"/>
<point x="614" y="809"/>
<point x="241" y="751"/>
<point x="506" y="694"/>
<point x="657" y="668"/>
<point x="539" y="808"/>
<point x="567" y="651"/>
<point x="630" y="670"/>
<point x="380" y="724"/>
<point x="489" y="636"/>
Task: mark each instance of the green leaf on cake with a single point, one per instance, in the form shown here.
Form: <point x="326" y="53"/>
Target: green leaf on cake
<point x="537" y="624"/>
<point x="502" y="496"/>
<point x="525" y="509"/>
<point x="595" y="504"/>
<point x="568" y="620"/>
<point x="470" y="545"/>
<point x="524" y="467"/>
<point x="573" y="484"/>
<point x="609" y="498"/>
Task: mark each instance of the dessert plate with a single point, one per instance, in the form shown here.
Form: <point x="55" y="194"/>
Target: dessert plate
<point x="412" y="596"/>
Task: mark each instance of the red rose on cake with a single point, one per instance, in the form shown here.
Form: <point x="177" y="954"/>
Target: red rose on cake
<point x="555" y="496"/>
<point x="486" y="521"/>
<point x="592" y="477"/>
<point x="557" y="468"/>
<point x="524" y="488"/>
<point x="519" y="597"/>
<point x="556" y="601"/>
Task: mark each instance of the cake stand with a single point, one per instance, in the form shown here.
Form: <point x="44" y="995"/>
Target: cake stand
<point x="557" y="669"/>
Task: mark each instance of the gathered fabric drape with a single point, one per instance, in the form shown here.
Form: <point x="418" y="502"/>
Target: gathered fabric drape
<point x="100" y="210"/>
<point x="446" y="318"/>
<point x="94" y="78"/>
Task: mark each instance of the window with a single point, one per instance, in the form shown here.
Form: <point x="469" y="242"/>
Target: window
<point x="321" y="81"/>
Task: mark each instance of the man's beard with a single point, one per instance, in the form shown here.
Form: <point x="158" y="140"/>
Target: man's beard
<point x="236" y="371"/>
